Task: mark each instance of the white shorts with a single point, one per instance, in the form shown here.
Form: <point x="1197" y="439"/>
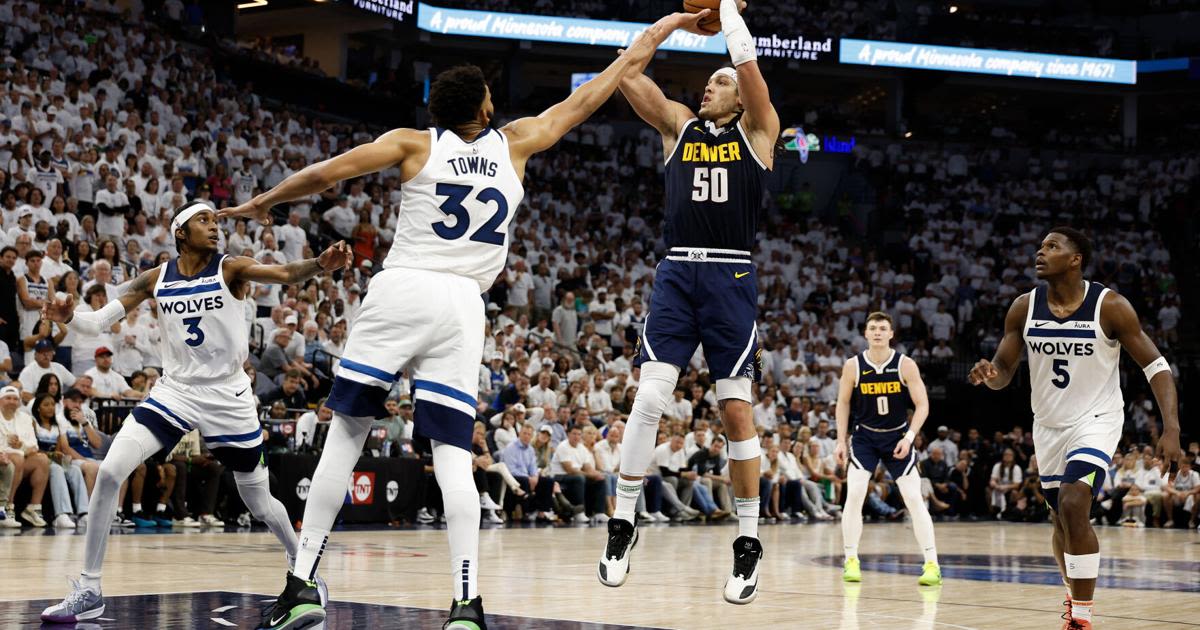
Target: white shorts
<point x="224" y="413"/>
<point x="431" y="323"/>
<point x="1091" y="441"/>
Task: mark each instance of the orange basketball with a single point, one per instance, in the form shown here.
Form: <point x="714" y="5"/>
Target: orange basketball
<point x="710" y="24"/>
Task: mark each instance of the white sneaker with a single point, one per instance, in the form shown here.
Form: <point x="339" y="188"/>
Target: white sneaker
<point x="208" y="520"/>
<point x="660" y="517"/>
<point x="81" y="520"/>
<point x="742" y="585"/>
<point x="614" y="564"/>
<point x="646" y="517"/>
<point x="8" y="522"/>
<point x="580" y="518"/>
<point x="486" y="502"/>
<point x="187" y="521"/>
<point x="600" y="518"/>
<point x="33" y="517"/>
<point x="490" y="516"/>
<point x="63" y="521"/>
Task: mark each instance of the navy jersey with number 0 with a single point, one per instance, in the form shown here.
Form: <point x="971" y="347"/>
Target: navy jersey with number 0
<point x="714" y="188"/>
<point x="880" y="400"/>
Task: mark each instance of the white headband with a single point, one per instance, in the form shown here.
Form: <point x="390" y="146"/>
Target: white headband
<point x="729" y="72"/>
<point x="187" y="213"/>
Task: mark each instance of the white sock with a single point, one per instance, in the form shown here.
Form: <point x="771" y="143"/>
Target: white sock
<point x="852" y="519"/>
<point x="161" y="507"/>
<point x="328" y="489"/>
<point x="452" y="468"/>
<point x="627" y="498"/>
<point x="137" y="507"/>
<point x="910" y="490"/>
<point x="1081" y="610"/>
<point x="747" y="513"/>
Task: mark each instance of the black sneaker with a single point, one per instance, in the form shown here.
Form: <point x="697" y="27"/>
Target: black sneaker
<point x="299" y="606"/>
<point x="614" y="565"/>
<point x="466" y="614"/>
<point x="742" y="585"/>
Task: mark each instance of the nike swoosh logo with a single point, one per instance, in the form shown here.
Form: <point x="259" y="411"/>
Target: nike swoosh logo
<point x="867" y="371"/>
<point x="275" y="622"/>
<point x="241" y="392"/>
<point x="1040" y="324"/>
<point x="741" y="275"/>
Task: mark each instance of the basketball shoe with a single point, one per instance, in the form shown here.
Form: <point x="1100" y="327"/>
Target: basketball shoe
<point x="83" y="603"/>
<point x="466" y="614"/>
<point x="742" y="585"/>
<point x="299" y="606"/>
<point x="931" y="575"/>
<point x="614" y="564"/>
<point x="851" y="570"/>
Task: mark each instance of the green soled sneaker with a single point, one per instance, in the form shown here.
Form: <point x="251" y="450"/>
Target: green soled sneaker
<point x="931" y="576"/>
<point x="299" y="606"/>
<point x="466" y="614"/>
<point x="851" y="571"/>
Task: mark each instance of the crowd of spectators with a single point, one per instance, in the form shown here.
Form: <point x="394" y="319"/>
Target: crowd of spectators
<point x="106" y="127"/>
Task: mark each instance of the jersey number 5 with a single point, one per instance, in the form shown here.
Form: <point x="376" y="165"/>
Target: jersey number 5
<point x="1062" y="377"/>
<point x="455" y="194"/>
<point x="193" y="327"/>
<point x="710" y="184"/>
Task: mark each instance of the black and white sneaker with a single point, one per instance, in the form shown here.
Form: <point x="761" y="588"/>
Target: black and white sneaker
<point x="614" y="564"/>
<point x="466" y="614"/>
<point x="298" y="607"/>
<point x="742" y="585"/>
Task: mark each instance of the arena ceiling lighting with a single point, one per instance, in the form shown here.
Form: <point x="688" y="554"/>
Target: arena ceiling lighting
<point x="252" y="4"/>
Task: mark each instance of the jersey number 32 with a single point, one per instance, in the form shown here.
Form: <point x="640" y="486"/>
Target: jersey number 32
<point x="455" y="194"/>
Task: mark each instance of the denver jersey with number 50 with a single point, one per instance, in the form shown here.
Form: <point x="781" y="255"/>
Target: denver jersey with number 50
<point x="454" y="214"/>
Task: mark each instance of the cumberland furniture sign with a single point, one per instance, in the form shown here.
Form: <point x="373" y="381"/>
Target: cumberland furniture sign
<point x="545" y="28"/>
<point x="983" y="61"/>
<point x="799" y="48"/>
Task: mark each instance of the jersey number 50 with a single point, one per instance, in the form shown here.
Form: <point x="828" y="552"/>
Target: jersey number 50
<point x="455" y="194"/>
<point x="710" y="184"/>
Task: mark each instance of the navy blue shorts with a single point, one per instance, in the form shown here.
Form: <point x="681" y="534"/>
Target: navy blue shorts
<point x="868" y="448"/>
<point x="709" y="303"/>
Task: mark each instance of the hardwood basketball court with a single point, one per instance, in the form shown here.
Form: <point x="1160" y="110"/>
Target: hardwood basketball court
<point x="996" y="576"/>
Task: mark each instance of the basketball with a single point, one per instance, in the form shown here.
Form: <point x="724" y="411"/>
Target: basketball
<point x="710" y="24"/>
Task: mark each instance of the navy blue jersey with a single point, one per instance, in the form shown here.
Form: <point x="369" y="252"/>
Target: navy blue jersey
<point x="880" y="400"/>
<point x="714" y="188"/>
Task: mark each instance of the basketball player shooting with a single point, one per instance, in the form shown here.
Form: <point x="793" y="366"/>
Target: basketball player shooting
<point x="1074" y="331"/>
<point x="461" y="185"/>
<point x="706" y="290"/>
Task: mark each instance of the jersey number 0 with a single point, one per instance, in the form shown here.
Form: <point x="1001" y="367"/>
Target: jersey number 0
<point x="455" y="194"/>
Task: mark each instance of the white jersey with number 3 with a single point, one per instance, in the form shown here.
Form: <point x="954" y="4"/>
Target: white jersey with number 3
<point x="203" y="326"/>
<point x="1072" y="363"/>
<point x="454" y="214"/>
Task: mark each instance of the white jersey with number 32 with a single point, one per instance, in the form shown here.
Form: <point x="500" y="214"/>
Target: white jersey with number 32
<point x="454" y="214"/>
<point x="1072" y="363"/>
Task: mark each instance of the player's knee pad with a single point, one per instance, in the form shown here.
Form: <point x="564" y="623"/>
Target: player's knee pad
<point x="741" y="450"/>
<point x="738" y="388"/>
<point x="657" y="383"/>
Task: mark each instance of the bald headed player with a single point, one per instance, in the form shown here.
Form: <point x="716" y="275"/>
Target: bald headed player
<point x="1074" y="331"/>
<point x="706" y="291"/>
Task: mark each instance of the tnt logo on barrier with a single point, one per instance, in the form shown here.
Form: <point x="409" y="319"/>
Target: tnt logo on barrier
<point x="362" y="488"/>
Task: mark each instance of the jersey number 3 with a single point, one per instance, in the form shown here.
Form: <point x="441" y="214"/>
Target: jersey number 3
<point x="455" y="194"/>
<point x="193" y="327"/>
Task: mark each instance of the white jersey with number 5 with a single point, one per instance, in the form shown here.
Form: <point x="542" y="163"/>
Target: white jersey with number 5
<point x="454" y="214"/>
<point x="203" y="326"/>
<point x="1072" y="364"/>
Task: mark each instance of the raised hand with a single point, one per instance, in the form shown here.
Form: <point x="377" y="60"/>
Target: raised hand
<point x="250" y="210"/>
<point x="57" y="310"/>
<point x="337" y="256"/>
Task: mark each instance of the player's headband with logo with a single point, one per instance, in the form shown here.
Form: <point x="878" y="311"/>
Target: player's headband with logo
<point x="729" y="72"/>
<point x="188" y="211"/>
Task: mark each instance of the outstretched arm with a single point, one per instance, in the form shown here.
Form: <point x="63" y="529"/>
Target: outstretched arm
<point x="387" y="150"/>
<point x="1121" y="322"/>
<point x="538" y="133"/>
<point x="998" y="372"/>
<point x="759" y="117"/>
<point x="243" y="269"/>
<point x="652" y="106"/>
<point x="139" y="289"/>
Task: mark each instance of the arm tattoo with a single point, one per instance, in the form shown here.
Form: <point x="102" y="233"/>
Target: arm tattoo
<point x="142" y="284"/>
<point x="302" y="270"/>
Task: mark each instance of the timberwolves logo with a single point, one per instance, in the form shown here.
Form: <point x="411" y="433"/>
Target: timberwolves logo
<point x="302" y="488"/>
<point x="1141" y="575"/>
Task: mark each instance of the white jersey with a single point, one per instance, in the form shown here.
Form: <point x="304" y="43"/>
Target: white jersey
<point x="1072" y="364"/>
<point x="202" y="326"/>
<point x="454" y="214"/>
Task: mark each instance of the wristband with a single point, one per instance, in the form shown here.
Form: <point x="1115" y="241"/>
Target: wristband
<point x="910" y="436"/>
<point x="1158" y="365"/>
<point x="737" y="36"/>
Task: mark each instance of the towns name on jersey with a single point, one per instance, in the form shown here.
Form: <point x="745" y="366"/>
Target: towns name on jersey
<point x="475" y="165"/>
